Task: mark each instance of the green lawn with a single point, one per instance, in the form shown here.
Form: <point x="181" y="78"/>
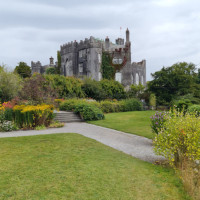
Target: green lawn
<point x="135" y="122"/>
<point x="70" y="166"/>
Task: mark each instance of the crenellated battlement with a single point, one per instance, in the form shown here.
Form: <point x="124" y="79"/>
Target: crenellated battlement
<point x="71" y="47"/>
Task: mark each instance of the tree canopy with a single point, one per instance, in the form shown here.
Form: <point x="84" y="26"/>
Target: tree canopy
<point x="178" y="80"/>
<point x="23" y="70"/>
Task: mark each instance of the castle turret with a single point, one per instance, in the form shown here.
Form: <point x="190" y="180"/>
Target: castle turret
<point x="51" y="61"/>
<point x="107" y="43"/>
<point x="127" y="36"/>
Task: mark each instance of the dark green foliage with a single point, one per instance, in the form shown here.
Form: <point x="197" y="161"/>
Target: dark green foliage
<point x="108" y="71"/>
<point x="194" y="109"/>
<point x="136" y="91"/>
<point x="110" y="107"/>
<point x="182" y="104"/>
<point x="23" y="70"/>
<point x="89" y="112"/>
<point x="70" y="104"/>
<point x="93" y="89"/>
<point x="8" y="113"/>
<point x="65" y="86"/>
<point x="113" y="89"/>
<point x="170" y="82"/>
<point x="59" y="62"/>
<point x="130" y="105"/>
<point x="51" y="70"/>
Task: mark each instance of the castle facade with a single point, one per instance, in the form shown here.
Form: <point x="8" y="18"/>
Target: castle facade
<point x="84" y="59"/>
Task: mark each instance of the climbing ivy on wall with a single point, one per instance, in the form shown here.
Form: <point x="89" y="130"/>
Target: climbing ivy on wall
<point x="108" y="71"/>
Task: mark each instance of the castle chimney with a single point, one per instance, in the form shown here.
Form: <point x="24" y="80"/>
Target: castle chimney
<point x="51" y="61"/>
<point x="127" y="36"/>
<point x="107" y="43"/>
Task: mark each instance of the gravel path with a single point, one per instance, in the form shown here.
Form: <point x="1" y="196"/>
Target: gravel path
<point x="136" y="146"/>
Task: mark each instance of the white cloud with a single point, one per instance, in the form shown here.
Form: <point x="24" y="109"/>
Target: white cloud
<point x="162" y="31"/>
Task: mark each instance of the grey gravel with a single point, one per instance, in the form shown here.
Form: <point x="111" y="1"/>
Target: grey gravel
<point x="136" y="146"/>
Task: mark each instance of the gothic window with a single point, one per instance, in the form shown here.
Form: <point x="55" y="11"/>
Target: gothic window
<point x="80" y="66"/>
<point x="100" y="76"/>
<point x="80" y="54"/>
<point x="142" y="81"/>
<point x="132" y="79"/>
<point x="118" y="77"/>
<point x="99" y="57"/>
<point x="137" y="79"/>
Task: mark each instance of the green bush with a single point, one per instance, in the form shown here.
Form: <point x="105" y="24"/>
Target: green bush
<point x="109" y="106"/>
<point x="179" y="138"/>
<point x="93" y="89"/>
<point x="8" y="113"/>
<point x="113" y="89"/>
<point x="89" y="112"/>
<point x="70" y="104"/>
<point x="65" y="86"/>
<point x="182" y="104"/>
<point x="130" y="105"/>
<point x="194" y="109"/>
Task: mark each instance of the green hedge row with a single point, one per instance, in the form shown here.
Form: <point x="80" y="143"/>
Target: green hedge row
<point x="92" y="110"/>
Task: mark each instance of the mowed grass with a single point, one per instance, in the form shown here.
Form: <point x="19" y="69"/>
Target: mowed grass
<point x="135" y="122"/>
<point x="70" y="166"/>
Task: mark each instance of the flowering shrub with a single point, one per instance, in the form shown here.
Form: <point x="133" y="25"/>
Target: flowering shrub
<point x="157" y="121"/>
<point x="7" y="126"/>
<point x="29" y="116"/>
<point x="179" y="138"/>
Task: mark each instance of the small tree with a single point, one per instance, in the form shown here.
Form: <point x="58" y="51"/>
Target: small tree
<point x="152" y="101"/>
<point x="37" y="90"/>
<point x="23" y="70"/>
<point x="136" y="91"/>
<point x="10" y="84"/>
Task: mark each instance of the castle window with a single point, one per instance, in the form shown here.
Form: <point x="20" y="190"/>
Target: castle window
<point x="142" y="81"/>
<point x="80" y="66"/>
<point x="80" y="54"/>
<point x="118" y="77"/>
<point x="137" y="79"/>
<point x="99" y="57"/>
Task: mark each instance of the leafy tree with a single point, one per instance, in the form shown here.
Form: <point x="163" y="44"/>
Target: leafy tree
<point x="170" y="82"/>
<point x="51" y="70"/>
<point x="10" y="84"/>
<point x="93" y="89"/>
<point x="113" y="89"/>
<point x="136" y="91"/>
<point x="65" y="86"/>
<point x="23" y="70"/>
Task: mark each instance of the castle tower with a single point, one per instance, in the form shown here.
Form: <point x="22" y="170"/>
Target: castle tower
<point x="127" y="36"/>
<point x="51" y="61"/>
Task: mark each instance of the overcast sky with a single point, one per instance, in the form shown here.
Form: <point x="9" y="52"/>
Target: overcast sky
<point x="161" y="31"/>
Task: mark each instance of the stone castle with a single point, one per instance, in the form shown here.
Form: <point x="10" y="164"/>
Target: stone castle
<point x="84" y="58"/>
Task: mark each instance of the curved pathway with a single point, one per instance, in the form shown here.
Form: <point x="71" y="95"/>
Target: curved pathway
<point x="137" y="146"/>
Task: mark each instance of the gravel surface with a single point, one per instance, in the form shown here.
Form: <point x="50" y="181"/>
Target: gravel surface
<point x="136" y="146"/>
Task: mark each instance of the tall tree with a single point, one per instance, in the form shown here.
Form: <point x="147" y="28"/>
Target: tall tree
<point x="23" y="70"/>
<point x="170" y="82"/>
